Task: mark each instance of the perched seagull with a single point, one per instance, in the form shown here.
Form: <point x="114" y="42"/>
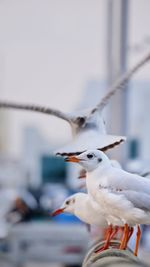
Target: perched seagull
<point x="83" y="207"/>
<point x="88" y="211"/>
<point x="88" y="128"/>
<point x="120" y="194"/>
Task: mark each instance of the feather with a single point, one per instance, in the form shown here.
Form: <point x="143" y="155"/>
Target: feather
<point x="35" y="108"/>
<point x="119" y="84"/>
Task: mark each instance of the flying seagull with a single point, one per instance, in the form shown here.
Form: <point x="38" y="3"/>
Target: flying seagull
<point x="88" y="128"/>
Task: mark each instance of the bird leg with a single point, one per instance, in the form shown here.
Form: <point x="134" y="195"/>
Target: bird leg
<point x="125" y="237"/>
<point x="114" y="232"/>
<point x="130" y="232"/>
<point x="122" y="232"/>
<point x="107" y="241"/>
<point x="138" y="236"/>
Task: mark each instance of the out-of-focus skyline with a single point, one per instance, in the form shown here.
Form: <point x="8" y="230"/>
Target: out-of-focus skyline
<point x="51" y="50"/>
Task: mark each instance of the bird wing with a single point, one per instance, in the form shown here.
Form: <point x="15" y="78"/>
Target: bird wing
<point x="139" y="200"/>
<point x="119" y="84"/>
<point x="35" y="108"/>
<point x="122" y="180"/>
<point x="90" y="140"/>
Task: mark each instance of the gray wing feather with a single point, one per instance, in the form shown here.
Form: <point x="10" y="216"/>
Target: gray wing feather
<point x="119" y="84"/>
<point x="123" y="180"/>
<point x="36" y="108"/>
<point x="139" y="200"/>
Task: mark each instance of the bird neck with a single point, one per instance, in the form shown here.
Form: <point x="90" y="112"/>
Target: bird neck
<point x="80" y="203"/>
<point x="82" y="206"/>
<point x="95" y="178"/>
<point x="99" y="169"/>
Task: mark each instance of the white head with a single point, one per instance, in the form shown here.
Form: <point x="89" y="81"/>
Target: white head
<point x="70" y="203"/>
<point x="67" y="206"/>
<point x="90" y="159"/>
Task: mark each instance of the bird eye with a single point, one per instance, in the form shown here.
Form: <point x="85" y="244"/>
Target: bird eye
<point x="90" y="156"/>
<point x="67" y="202"/>
<point x="80" y="121"/>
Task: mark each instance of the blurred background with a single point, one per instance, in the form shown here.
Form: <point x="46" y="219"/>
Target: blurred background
<point x="64" y="54"/>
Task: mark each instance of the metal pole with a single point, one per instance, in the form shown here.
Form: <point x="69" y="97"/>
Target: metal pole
<point x="112" y="257"/>
<point x="3" y="132"/>
<point x="4" y="118"/>
<point x="116" y="65"/>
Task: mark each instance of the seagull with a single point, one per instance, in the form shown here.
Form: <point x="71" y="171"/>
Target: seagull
<point x="83" y="207"/>
<point x="121" y="195"/>
<point x="87" y="210"/>
<point x="88" y="127"/>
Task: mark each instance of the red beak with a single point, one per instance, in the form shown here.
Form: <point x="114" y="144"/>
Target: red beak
<point x="57" y="212"/>
<point x="72" y="159"/>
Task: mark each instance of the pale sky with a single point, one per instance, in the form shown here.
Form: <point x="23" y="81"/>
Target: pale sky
<point x="49" y="50"/>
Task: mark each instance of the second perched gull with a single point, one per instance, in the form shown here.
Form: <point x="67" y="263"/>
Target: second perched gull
<point x="88" y="211"/>
<point x="120" y="194"/>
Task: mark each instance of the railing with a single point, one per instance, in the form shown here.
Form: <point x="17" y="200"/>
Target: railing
<point x="112" y="257"/>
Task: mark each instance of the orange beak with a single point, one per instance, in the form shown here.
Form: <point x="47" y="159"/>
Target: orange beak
<point x="72" y="159"/>
<point x="57" y="212"/>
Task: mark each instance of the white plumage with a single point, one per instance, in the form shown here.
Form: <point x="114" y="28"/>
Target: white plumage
<point x="83" y="207"/>
<point x="120" y="194"/>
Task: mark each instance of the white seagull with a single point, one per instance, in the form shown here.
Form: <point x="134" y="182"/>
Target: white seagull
<point x="83" y="207"/>
<point x="120" y="194"/>
<point x="88" y="211"/>
<point x="88" y="128"/>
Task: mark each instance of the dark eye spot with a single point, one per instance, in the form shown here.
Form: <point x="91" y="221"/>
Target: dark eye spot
<point x="67" y="202"/>
<point x="80" y="121"/>
<point x="90" y="156"/>
<point x="99" y="159"/>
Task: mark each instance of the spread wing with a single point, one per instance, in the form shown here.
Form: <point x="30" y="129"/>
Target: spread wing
<point x="90" y="140"/>
<point x="119" y="84"/>
<point x="35" y="108"/>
